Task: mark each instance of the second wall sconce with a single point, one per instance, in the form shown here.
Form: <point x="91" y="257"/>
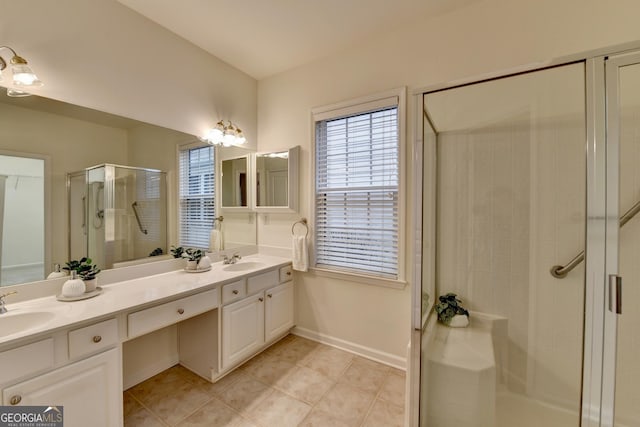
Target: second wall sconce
<point x="224" y="133"/>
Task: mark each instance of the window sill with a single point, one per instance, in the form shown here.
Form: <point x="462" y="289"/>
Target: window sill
<point x="359" y="278"/>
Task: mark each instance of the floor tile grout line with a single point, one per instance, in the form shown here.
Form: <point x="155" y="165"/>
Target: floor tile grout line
<point x="196" y="410"/>
<point x="142" y="405"/>
<point x="379" y="397"/>
<point x="295" y="357"/>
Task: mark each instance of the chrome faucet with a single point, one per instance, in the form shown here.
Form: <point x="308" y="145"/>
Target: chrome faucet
<point x="3" y="308"/>
<point x="232" y="260"/>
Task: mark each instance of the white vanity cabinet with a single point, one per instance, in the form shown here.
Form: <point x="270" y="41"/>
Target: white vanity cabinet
<point x="242" y="329"/>
<point x="89" y="391"/>
<point x="252" y="323"/>
<point x="78" y="370"/>
<point x="278" y="311"/>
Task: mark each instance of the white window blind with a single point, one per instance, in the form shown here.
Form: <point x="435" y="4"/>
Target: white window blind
<point x="356" y="197"/>
<point x="197" y="186"/>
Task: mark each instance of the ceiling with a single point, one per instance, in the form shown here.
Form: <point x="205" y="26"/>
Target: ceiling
<point x="266" y="37"/>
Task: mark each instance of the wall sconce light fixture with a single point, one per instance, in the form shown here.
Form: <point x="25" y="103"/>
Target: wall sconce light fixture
<point x="23" y="76"/>
<point x="225" y="134"/>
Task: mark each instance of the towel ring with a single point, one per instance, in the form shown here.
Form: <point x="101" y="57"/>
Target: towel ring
<point x="302" y="221"/>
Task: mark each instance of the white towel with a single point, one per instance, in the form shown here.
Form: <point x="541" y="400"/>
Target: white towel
<point x="215" y="240"/>
<point x="300" y="253"/>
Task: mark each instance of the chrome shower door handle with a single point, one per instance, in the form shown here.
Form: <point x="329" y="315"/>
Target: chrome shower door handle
<point x="615" y="293"/>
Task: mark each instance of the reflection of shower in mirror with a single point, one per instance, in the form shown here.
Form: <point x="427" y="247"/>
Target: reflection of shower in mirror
<point x="125" y="212"/>
<point x="98" y="201"/>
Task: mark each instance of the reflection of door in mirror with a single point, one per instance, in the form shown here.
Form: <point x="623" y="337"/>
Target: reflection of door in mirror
<point x="272" y="179"/>
<point x="21" y="219"/>
<point x="278" y="181"/>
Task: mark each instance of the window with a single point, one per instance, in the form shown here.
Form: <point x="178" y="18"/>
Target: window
<point x="197" y="184"/>
<point x="357" y="188"/>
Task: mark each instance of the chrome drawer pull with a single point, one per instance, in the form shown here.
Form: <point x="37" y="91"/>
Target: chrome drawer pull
<point x="97" y="339"/>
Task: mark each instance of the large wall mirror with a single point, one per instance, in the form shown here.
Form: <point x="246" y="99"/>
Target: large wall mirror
<point x="276" y="181"/>
<point x="70" y="139"/>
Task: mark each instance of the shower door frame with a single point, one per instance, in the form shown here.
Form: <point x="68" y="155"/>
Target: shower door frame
<point x="601" y="223"/>
<point x="609" y="67"/>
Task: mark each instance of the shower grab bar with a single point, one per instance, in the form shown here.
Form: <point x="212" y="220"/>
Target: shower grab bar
<point x="560" y="272"/>
<point x="135" y="212"/>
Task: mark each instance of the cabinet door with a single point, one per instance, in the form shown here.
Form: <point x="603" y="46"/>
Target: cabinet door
<point x="89" y="390"/>
<point x="278" y="311"/>
<point x="242" y="329"/>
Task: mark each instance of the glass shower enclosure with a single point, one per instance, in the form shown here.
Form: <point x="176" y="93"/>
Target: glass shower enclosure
<point x="527" y="211"/>
<point x="117" y="214"/>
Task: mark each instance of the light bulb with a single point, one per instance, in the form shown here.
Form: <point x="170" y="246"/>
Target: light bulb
<point x="228" y="139"/>
<point x="23" y="76"/>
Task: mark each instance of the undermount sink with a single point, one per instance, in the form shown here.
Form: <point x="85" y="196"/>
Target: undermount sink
<point x="244" y="265"/>
<point x="13" y="323"/>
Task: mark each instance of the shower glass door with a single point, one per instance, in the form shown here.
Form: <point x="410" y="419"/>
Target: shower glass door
<point x="511" y="198"/>
<point x="623" y="140"/>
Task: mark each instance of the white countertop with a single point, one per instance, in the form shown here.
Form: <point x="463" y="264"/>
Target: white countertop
<point x="127" y="295"/>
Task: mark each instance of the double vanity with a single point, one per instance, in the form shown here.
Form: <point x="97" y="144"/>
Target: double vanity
<point x="70" y="353"/>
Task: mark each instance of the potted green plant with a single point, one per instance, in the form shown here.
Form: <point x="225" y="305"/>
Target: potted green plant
<point x="450" y="311"/>
<point x="193" y="257"/>
<point x="177" y="252"/>
<point x="86" y="270"/>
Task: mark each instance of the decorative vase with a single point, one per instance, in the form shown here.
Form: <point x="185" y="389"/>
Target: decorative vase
<point x="57" y="272"/>
<point x="192" y="265"/>
<point x="459" y="321"/>
<point x="90" y="285"/>
<point x="204" y="263"/>
<point x="73" y="287"/>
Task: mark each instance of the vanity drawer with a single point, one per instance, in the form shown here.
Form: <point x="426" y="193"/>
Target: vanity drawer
<point x="93" y="338"/>
<point x="262" y="281"/>
<point x="26" y="360"/>
<point x="286" y="273"/>
<point x="144" y="321"/>
<point x="233" y="291"/>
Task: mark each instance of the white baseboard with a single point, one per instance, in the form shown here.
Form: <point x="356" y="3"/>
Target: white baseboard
<point x="148" y="371"/>
<point x="366" y="352"/>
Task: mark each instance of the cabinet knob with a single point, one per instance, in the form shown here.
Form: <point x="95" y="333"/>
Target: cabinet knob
<point x="181" y="311"/>
<point x="288" y="273"/>
<point x="15" y="399"/>
<point x="235" y="292"/>
<point x="260" y="299"/>
<point x="269" y="295"/>
<point x="97" y="339"/>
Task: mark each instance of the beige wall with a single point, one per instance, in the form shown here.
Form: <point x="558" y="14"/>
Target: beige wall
<point x="484" y="37"/>
<point x="102" y="55"/>
<point x="70" y="145"/>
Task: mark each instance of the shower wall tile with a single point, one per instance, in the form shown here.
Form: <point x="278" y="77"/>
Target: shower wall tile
<point x="511" y="206"/>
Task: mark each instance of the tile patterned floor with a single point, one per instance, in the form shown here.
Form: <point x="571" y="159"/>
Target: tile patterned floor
<point x="296" y="382"/>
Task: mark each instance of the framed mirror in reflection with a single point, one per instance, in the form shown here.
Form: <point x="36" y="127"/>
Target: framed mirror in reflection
<point x="235" y="183"/>
<point x="67" y="139"/>
<point x="276" y="181"/>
